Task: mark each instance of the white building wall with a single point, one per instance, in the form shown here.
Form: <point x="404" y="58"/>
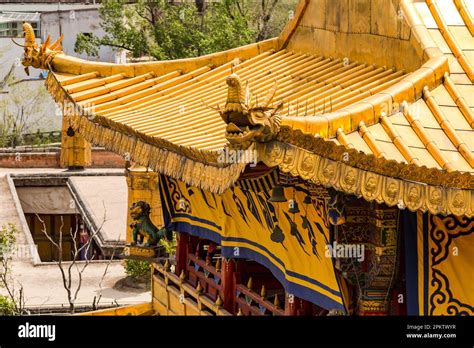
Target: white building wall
<point x="71" y="23"/>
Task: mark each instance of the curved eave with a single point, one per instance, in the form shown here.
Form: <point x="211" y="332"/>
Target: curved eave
<point x="75" y="66"/>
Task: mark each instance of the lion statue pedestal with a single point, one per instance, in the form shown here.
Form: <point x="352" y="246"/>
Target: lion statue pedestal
<point x="143" y="252"/>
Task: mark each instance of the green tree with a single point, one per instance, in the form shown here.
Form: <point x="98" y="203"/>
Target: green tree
<point x="13" y="302"/>
<point x="17" y="111"/>
<point x="169" y="30"/>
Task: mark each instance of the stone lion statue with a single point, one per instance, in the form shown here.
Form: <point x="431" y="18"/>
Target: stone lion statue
<point x="144" y="227"/>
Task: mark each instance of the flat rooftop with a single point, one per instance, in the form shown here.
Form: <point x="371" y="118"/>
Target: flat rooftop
<point x="42" y="7"/>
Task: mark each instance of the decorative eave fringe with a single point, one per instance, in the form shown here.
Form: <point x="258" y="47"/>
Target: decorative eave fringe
<point x="371" y="163"/>
<point x="325" y="168"/>
<point x="193" y="166"/>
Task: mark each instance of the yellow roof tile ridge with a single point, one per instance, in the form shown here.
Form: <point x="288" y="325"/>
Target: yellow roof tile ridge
<point x="89" y="84"/>
<point x="103" y="102"/>
<point x="398" y="140"/>
<point x="420" y="32"/>
<point x="429" y="143"/>
<point x="67" y="64"/>
<point x="338" y="72"/>
<point x="344" y="75"/>
<point x="102" y="89"/>
<point x="459" y="100"/>
<point x="377" y="73"/>
<point x="450" y="40"/>
<point x="356" y="76"/>
<point x="368" y="90"/>
<point x="307" y="80"/>
<point x="164" y="102"/>
<point x="344" y="89"/>
<point x="370" y="140"/>
<point x="465" y="15"/>
<point x="314" y="93"/>
<point x="213" y="98"/>
<point x="447" y="127"/>
<point x="152" y="99"/>
<point x="380" y="96"/>
<point x="342" y="138"/>
<point x="79" y="78"/>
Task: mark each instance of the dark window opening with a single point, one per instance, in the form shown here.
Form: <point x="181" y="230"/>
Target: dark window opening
<point x="62" y="227"/>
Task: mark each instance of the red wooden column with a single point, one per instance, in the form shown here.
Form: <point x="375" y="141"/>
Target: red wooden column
<point x="181" y="252"/>
<point x="228" y="284"/>
<point x="291" y="304"/>
<point x="304" y="308"/>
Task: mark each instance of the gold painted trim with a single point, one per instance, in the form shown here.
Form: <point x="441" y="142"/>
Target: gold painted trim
<point x="366" y="176"/>
<point x="381" y="166"/>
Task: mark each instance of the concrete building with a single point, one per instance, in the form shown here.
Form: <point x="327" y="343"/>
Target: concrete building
<point x="46" y="17"/>
<point x="55" y="19"/>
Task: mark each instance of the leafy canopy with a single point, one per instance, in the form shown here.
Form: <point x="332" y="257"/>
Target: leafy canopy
<point x="165" y="30"/>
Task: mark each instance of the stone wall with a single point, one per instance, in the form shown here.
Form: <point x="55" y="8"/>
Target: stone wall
<point x="100" y="159"/>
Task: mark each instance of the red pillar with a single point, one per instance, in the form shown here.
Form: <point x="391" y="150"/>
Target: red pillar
<point x="305" y="308"/>
<point x="291" y="304"/>
<point x="228" y="284"/>
<point x="181" y="252"/>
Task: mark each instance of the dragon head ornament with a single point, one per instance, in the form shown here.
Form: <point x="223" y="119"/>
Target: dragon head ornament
<point x="38" y="56"/>
<point x="248" y="119"/>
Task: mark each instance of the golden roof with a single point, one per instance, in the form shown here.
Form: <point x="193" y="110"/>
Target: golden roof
<point x="170" y="106"/>
<point x="390" y="85"/>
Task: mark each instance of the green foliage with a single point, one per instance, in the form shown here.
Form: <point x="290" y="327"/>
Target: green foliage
<point x="7" y="243"/>
<point x="137" y="269"/>
<point x="7" y="240"/>
<point x="7" y="306"/>
<point x="170" y="246"/>
<point x="163" y="30"/>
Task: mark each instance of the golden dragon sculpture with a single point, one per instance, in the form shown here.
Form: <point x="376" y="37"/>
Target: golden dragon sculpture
<point x="38" y="56"/>
<point x="248" y="120"/>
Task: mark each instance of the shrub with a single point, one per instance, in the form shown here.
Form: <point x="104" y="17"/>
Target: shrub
<point x="170" y="246"/>
<point x="7" y="306"/>
<point x="138" y="269"/>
